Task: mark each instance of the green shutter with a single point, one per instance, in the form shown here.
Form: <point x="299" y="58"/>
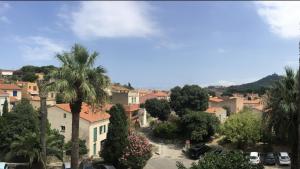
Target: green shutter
<point x="104" y="128"/>
<point x="95" y="134"/>
<point x="94" y="148"/>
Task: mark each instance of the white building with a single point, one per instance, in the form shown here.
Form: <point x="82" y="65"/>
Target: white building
<point x="6" y="72"/>
<point x="93" y="126"/>
<point x="4" y="96"/>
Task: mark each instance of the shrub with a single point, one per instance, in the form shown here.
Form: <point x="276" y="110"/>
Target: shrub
<point x="137" y="152"/>
<point x="167" y="130"/>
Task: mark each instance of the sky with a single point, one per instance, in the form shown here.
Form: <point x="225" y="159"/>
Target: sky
<point x="157" y="44"/>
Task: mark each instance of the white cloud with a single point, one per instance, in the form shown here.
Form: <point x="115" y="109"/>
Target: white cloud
<point x="221" y="50"/>
<point x="4" y="19"/>
<point x="110" y="19"/>
<point x="37" y="48"/>
<point x="226" y="83"/>
<point x="4" y="6"/>
<point x="282" y="17"/>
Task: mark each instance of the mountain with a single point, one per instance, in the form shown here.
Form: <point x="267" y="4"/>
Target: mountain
<point x="258" y="86"/>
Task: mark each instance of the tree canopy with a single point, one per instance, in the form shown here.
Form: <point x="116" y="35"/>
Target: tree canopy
<point x="158" y="108"/>
<point x="243" y="128"/>
<point x="191" y="97"/>
<point x="116" y="139"/>
<point x="199" y="126"/>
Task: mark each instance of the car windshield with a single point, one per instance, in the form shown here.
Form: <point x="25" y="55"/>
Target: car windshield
<point x="253" y="157"/>
<point x="284" y="157"/>
<point x="270" y="156"/>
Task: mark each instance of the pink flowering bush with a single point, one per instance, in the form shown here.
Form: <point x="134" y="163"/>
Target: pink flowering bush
<point x="137" y="152"/>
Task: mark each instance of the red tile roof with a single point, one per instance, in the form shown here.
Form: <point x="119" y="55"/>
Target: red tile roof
<point x="9" y="87"/>
<point x="215" y="99"/>
<point x="12" y="99"/>
<point x="86" y="112"/>
<point x="131" y="107"/>
<point x="214" y="109"/>
<point x="2" y="93"/>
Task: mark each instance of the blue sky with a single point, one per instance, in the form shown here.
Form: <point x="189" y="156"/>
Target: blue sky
<point x="157" y="44"/>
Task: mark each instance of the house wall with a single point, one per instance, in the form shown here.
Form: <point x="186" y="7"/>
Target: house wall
<point x="234" y="104"/>
<point x="221" y="115"/>
<point x="100" y="137"/>
<point x="86" y="129"/>
<point x="56" y="119"/>
<point x="36" y="103"/>
<point x="133" y="98"/>
<point x="7" y="73"/>
<point x="119" y="98"/>
<point x="10" y="93"/>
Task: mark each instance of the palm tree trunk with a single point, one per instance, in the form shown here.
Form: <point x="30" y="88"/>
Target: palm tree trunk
<point x="43" y="110"/>
<point x="75" y="109"/>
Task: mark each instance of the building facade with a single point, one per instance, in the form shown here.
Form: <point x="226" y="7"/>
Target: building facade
<point x="93" y="126"/>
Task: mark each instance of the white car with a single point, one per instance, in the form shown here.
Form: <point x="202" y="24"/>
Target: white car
<point x="2" y="165"/>
<point x="284" y="158"/>
<point x="254" y="158"/>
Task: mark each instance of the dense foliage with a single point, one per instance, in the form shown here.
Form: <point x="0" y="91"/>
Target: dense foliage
<point x="137" y="152"/>
<point x="82" y="147"/>
<point x="198" y="126"/>
<point x="227" y="160"/>
<point x="158" y="108"/>
<point x="116" y="140"/>
<point x="282" y="112"/>
<point x="190" y="97"/>
<point x="19" y="135"/>
<point x="243" y="128"/>
<point x="167" y="130"/>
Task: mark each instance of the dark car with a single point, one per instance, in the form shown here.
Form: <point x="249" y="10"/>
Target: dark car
<point x="269" y="159"/>
<point x="198" y="150"/>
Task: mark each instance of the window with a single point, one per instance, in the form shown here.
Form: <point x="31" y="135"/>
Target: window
<point x="104" y="129"/>
<point x="94" y="148"/>
<point x="100" y="129"/>
<point x="95" y="134"/>
<point x="62" y="129"/>
<point x="65" y="115"/>
<point x="34" y="88"/>
<point x="29" y="87"/>
<point x="52" y="95"/>
<point x="133" y="99"/>
<point x="15" y="93"/>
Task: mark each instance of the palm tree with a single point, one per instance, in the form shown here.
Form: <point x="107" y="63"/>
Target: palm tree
<point x="43" y="93"/>
<point x="80" y="82"/>
<point x="281" y="111"/>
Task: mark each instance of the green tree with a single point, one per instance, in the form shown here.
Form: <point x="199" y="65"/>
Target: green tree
<point x="82" y="147"/>
<point x="198" y="126"/>
<point x="190" y="97"/>
<point x="158" y="108"/>
<point x="243" y="128"/>
<point x="281" y="113"/>
<point x="81" y="82"/>
<point x="116" y="139"/>
<point x="29" y="77"/>
<point x="5" y="107"/>
<point x="227" y="160"/>
<point x="167" y="130"/>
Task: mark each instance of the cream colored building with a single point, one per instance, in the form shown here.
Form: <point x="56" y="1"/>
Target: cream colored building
<point x="234" y="104"/>
<point x="93" y="126"/>
<point x="4" y="96"/>
<point x="125" y="98"/>
<point x="219" y="112"/>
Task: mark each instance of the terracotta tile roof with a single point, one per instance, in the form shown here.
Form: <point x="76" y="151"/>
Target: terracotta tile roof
<point x="214" y="109"/>
<point x="131" y="107"/>
<point x="118" y="88"/>
<point x="215" y="99"/>
<point x="12" y="99"/>
<point x="160" y="94"/>
<point x="256" y="101"/>
<point x="86" y="112"/>
<point x="2" y="93"/>
<point x="9" y="87"/>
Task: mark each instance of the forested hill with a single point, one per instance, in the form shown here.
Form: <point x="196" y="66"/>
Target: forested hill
<point x="258" y="86"/>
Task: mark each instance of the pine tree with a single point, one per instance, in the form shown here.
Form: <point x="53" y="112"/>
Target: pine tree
<point x="5" y="107"/>
<point x="116" y="140"/>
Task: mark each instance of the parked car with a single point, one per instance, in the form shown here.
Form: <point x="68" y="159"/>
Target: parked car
<point x="254" y="158"/>
<point x="198" y="150"/>
<point x="284" y="159"/>
<point x="269" y="159"/>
